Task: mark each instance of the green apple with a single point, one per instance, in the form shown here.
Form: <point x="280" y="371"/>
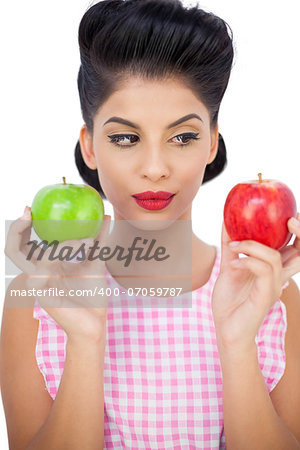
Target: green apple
<point x="67" y="211"/>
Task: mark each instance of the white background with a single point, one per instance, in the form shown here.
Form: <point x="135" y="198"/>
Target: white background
<point x="41" y="118"/>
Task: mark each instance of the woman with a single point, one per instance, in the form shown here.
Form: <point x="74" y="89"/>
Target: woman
<point x="151" y="81"/>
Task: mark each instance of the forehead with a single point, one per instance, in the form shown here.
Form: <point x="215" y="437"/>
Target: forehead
<point x="141" y="98"/>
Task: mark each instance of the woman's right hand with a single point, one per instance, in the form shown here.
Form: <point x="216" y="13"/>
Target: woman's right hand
<point x="80" y="316"/>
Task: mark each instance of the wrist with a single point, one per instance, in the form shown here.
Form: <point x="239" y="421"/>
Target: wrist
<point x="92" y="340"/>
<point x="237" y="353"/>
<point x="86" y="352"/>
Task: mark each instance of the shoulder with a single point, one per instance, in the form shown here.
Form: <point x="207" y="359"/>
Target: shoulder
<point x="286" y="394"/>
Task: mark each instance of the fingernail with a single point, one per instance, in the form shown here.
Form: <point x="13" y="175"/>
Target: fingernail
<point x="26" y="214"/>
<point x="234" y="243"/>
<point x="295" y="222"/>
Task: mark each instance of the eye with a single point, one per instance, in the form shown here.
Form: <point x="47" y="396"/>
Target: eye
<point x="116" y="139"/>
<point x="184" y="136"/>
<point x="125" y="140"/>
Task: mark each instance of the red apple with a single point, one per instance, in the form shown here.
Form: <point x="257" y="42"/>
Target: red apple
<point x="259" y="210"/>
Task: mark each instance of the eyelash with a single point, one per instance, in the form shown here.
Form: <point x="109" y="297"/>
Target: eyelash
<point x="114" y="138"/>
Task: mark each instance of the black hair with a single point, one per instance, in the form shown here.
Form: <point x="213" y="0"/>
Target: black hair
<point x="155" y="40"/>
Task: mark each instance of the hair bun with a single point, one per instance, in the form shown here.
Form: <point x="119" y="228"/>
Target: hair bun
<point x="218" y="164"/>
<point x="90" y="176"/>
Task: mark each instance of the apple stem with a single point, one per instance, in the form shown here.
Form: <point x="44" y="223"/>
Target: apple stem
<point x="64" y="180"/>
<point x="260" y="177"/>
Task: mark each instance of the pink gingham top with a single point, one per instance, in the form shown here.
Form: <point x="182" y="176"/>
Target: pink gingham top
<point x="162" y="374"/>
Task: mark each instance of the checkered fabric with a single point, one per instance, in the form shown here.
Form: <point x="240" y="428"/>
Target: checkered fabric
<point x="162" y="374"/>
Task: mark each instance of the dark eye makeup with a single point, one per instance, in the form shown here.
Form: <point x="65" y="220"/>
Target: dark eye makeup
<point x="116" y="139"/>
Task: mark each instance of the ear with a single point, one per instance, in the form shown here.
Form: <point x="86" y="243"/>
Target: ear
<point x="87" y="150"/>
<point x="214" y="145"/>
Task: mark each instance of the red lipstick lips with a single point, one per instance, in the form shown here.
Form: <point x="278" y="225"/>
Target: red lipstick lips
<point x="153" y="200"/>
<point x="150" y="195"/>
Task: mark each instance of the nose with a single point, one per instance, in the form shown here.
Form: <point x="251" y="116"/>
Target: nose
<point x="154" y="164"/>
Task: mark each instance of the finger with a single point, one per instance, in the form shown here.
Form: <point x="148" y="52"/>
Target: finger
<point x="19" y="234"/>
<point x="104" y="230"/>
<point x="263" y="273"/>
<point x="25" y="237"/>
<point x="94" y="262"/>
<point x="227" y="255"/>
<point x="38" y="279"/>
<point x="258" y="267"/>
<point x="291" y="268"/>
<point x="261" y="252"/>
<point x="60" y="255"/>
<point x="293" y="225"/>
<point x="52" y="262"/>
<point x="288" y="253"/>
<point x="16" y="231"/>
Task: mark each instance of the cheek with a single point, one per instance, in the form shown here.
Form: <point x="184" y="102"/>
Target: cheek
<point x="192" y="174"/>
<point x="193" y="181"/>
<point x="108" y="174"/>
<point x="193" y="166"/>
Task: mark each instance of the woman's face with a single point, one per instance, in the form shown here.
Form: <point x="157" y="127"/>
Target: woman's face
<point x="155" y="151"/>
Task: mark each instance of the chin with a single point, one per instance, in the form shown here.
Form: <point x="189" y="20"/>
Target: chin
<point x="152" y="224"/>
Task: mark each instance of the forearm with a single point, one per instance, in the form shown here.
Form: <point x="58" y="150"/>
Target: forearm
<point x="76" y="420"/>
<point x="250" y="419"/>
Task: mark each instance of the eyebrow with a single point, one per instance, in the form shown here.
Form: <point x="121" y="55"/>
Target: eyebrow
<point x="173" y="124"/>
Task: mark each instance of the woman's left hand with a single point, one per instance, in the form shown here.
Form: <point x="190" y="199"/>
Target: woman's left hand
<point x="247" y="287"/>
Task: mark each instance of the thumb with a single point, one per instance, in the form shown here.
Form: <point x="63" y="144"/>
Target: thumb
<point x="100" y="241"/>
<point x="227" y="255"/>
<point x="104" y="230"/>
